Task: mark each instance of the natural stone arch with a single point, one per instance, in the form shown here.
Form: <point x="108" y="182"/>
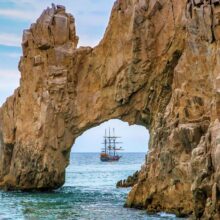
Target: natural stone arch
<point x="65" y="91"/>
<point x="157" y="66"/>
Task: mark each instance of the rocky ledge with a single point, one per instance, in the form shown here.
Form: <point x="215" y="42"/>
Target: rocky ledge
<point x="158" y="66"/>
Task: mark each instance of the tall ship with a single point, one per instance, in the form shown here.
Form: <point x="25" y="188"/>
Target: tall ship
<point x="109" y="152"/>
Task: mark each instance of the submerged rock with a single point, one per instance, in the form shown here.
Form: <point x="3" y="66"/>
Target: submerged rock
<point x="158" y="65"/>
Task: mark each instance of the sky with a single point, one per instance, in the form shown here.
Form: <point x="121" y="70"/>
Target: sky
<point x="16" y="15"/>
<point x="134" y="138"/>
<point x="91" y="21"/>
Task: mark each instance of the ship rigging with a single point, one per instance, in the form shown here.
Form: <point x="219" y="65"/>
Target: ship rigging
<point x="109" y="152"/>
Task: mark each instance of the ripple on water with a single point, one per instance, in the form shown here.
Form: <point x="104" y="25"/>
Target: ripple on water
<point x="89" y="193"/>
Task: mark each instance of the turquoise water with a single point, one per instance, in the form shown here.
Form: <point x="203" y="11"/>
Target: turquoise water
<point x="88" y="194"/>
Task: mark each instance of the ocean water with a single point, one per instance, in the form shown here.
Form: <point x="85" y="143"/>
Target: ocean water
<point x="88" y="194"/>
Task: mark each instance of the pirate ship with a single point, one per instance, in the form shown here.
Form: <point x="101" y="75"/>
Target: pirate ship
<point x="109" y="152"/>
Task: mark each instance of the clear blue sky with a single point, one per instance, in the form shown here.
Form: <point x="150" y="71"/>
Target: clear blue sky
<point x="91" y="20"/>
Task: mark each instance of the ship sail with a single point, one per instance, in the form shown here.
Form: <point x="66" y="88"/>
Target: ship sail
<point x="109" y="152"/>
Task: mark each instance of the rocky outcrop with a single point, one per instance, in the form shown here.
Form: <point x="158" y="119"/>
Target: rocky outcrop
<point x="157" y="66"/>
<point x="130" y="181"/>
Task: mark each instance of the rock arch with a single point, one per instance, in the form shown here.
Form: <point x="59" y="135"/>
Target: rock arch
<point x="152" y="67"/>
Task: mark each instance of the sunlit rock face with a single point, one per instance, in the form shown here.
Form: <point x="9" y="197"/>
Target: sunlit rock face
<point x="158" y="65"/>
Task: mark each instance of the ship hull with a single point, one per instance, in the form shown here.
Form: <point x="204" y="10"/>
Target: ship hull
<point x="110" y="158"/>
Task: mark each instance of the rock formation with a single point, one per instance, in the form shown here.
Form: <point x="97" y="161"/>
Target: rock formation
<point x="130" y="181"/>
<point x="158" y="65"/>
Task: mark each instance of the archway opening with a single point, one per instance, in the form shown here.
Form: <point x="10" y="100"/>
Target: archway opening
<point x="94" y="180"/>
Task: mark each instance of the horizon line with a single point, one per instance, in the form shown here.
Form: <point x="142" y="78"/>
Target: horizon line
<point x="99" y="152"/>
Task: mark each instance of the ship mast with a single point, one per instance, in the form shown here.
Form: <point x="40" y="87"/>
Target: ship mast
<point x="105" y="142"/>
<point x="114" y="138"/>
<point x="110" y="142"/>
<point x="109" y="153"/>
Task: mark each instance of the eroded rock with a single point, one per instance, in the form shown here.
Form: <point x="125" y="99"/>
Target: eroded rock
<point x="157" y="65"/>
<point x="130" y="181"/>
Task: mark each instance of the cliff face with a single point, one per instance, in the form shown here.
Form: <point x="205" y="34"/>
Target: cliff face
<point x="157" y="65"/>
